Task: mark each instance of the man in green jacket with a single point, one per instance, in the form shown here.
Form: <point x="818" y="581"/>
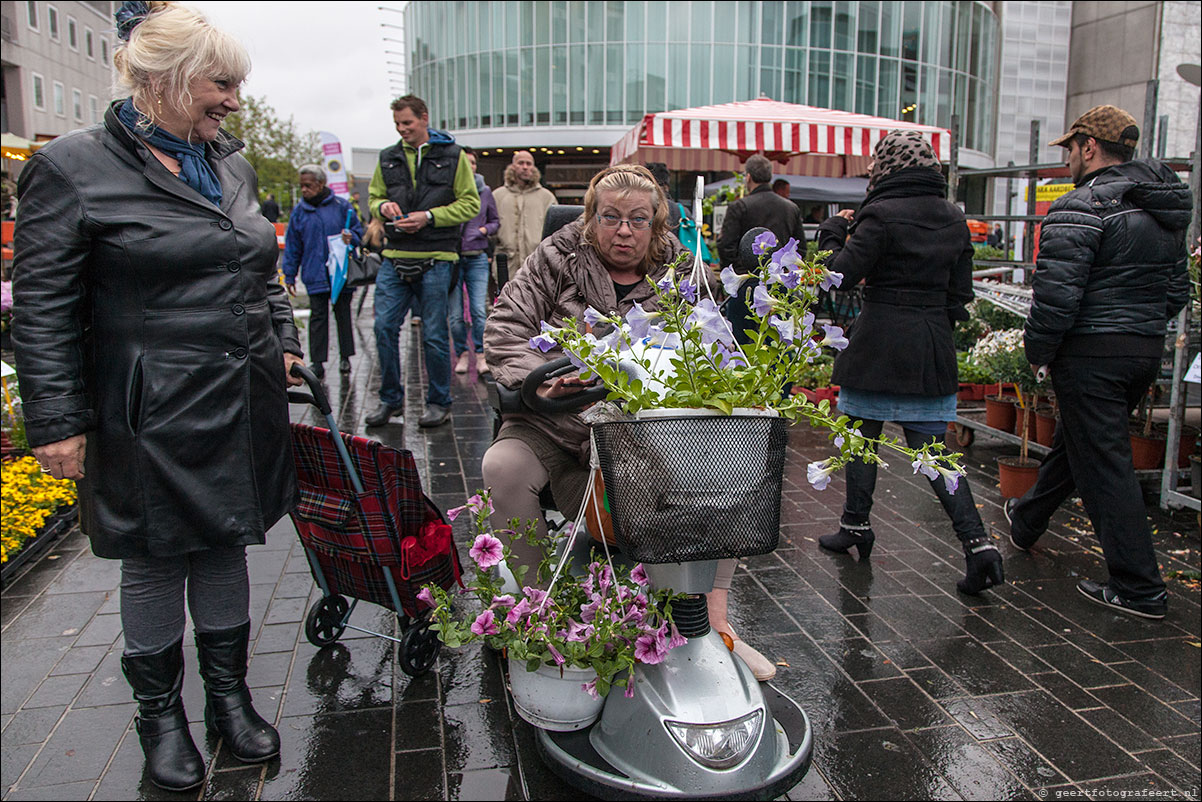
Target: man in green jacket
<point x="424" y="190"/>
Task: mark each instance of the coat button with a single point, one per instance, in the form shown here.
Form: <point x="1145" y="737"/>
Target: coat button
<point x="239" y="309"/>
<point x="234" y="266"/>
<point x="226" y="225"/>
<point x="240" y="353"/>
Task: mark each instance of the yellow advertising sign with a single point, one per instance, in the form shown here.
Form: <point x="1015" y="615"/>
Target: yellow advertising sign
<point x="1046" y="193"/>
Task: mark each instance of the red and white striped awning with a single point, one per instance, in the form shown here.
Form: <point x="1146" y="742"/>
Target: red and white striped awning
<point x="806" y="140"/>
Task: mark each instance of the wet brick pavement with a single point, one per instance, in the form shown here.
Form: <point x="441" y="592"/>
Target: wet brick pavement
<point x="915" y="692"/>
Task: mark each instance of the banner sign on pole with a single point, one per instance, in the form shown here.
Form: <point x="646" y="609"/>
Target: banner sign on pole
<point x="335" y="167"/>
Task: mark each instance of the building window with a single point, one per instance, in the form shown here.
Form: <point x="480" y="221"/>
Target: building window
<point x="60" y="99"/>
<point x="31" y="14"/>
<point x="52" y="22"/>
<point x="77" y="104"/>
<point x="39" y="92"/>
<point x="104" y="51"/>
<point x="94" y="106"/>
<point x="72" y="33"/>
<point x="89" y="44"/>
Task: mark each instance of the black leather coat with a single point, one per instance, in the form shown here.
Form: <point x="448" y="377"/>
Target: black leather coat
<point x="913" y="250"/>
<point x="1112" y="261"/>
<point x="152" y="321"/>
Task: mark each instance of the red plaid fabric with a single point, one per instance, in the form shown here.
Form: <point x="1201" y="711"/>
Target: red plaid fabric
<point x="357" y="537"/>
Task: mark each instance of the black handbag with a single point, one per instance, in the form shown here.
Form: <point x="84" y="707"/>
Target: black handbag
<point x="362" y="267"/>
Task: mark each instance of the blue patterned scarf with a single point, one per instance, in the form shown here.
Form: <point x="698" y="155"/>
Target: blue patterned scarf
<point x="195" y="170"/>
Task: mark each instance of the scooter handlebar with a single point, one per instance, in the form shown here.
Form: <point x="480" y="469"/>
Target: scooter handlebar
<point x="568" y="403"/>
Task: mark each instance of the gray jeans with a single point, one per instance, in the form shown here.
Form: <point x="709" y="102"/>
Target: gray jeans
<point x="152" y="596"/>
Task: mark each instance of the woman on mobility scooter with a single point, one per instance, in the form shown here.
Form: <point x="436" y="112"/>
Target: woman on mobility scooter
<point x="600" y="260"/>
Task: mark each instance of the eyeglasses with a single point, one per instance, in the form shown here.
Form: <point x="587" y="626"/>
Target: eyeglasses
<point x="613" y="221"/>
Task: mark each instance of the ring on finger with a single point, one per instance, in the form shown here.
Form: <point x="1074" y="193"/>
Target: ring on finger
<point x="45" y="468"/>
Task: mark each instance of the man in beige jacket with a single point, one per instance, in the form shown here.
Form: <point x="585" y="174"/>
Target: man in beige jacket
<point x="522" y="204"/>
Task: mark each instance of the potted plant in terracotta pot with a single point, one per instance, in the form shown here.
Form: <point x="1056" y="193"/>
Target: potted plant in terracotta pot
<point x="999" y="409"/>
<point x="1003" y="355"/>
<point x="1147" y="443"/>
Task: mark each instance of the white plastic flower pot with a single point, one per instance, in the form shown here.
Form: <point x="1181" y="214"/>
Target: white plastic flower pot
<point x="551" y="698"/>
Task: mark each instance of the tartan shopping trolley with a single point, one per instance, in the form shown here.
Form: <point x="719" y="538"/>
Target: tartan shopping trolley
<point x="369" y="533"/>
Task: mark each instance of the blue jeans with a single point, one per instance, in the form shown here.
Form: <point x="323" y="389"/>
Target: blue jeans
<point x="428" y="299"/>
<point x="473" y="271"/>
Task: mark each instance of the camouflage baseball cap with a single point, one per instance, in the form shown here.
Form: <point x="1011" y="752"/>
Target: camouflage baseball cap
<point x="1105" y="123"/>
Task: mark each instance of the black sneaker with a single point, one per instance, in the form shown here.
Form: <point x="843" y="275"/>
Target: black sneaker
<point x="1154" y="607"/>
<point x="344" y="366"/>
<point x="1020" y="543"/>
<point x="319" y="369"/>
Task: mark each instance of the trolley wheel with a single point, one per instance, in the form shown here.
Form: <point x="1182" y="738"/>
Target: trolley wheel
<point x="324" y="624"/>
<point x="419" y="647"/>
<point x="960" y="436"/>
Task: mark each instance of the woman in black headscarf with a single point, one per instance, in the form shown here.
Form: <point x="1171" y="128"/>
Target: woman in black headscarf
<point x="912" y="249"/>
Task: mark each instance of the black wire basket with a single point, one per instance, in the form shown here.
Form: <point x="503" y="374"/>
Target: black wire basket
<point x="682" y="489"/>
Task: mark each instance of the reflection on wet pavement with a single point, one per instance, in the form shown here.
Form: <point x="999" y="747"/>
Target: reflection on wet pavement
<point x="914" y="691"/>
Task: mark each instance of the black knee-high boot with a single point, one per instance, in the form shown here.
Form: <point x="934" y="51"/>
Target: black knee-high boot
<point x="172" y="759"/>
<point x="982" y="560"/>
<point x="228" y="710"/>
<point x="854" y="527"/>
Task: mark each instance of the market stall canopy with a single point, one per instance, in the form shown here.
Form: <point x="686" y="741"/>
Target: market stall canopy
<point x="804" y="140"/>
<point x="17" y="147"/>
<point x="813" y="188"/>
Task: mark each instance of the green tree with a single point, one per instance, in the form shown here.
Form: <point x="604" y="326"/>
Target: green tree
<point x="275" y="147"/>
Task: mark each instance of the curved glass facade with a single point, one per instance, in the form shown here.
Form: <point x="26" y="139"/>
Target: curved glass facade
<point x="524" y="65"/>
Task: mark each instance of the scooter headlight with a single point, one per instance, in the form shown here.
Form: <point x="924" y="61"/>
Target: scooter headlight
<point x="721" y="745"/>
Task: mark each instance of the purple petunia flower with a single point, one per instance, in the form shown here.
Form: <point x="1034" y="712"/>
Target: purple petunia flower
<point x="831" y="279"/>
<point x="639" y="575"/>
<point x="577" y="632"/>
<point x="834" y="337"/>
<point x="925" y="464"/>
<point x="505" y="601"/>
<point x="542" y="342"/>
<point x="485" y="624"/>
<point x="951" y="479"/>
<point x="453" y="513"/>
<point x="783" y="326"/>
<point x="487" y="551"/>
<point x="676" y="639"/>
<point x="590" y="688"/>
<point x="763" y="243"/>
<point x="592" y="317"/>
<point x="762" y="301"/>
<point x="555" y="655"/>
<point x="819" y="473"/>
<point x="707" y="318"/>
<point x="426" y="597"/>
<point x="731" y="281"/>
<point x="688" y="290"/>
<point x="730" y="357"/>
<point x="640" y="321"/>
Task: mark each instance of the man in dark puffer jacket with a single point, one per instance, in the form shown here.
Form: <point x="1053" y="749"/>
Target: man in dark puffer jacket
<point x="1111" y="272"/>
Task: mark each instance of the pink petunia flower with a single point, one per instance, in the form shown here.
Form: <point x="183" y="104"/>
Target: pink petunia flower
<point x="487" y="551"/>
<point x="426" y="597"/>
<point x="478" y="502"/>
<point x="639" y="576"/>
<point x="590" y="688"/>
<point x="647" y="649"/>
<point x="505" y="601"/>
<point x="485" y="624"/>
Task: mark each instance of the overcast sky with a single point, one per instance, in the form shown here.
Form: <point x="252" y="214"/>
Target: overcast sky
<point x="322" y="63"/>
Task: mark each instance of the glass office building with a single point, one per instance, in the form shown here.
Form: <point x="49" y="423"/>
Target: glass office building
<point x="580" y="73"/>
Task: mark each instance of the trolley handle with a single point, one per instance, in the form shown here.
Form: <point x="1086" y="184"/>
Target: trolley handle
<point x="316" y="395"/>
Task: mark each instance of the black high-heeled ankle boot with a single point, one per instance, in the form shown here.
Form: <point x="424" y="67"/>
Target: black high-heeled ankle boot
<point x="228" y="710"/>
<point x="172" y="760"/>
<point x="858" y="535"/>
<point x="983" y="566"/>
